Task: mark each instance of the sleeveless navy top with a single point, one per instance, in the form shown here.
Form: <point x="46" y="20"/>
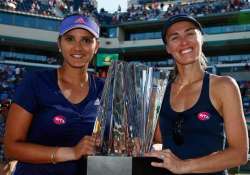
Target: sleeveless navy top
<point x="200" y="128"/>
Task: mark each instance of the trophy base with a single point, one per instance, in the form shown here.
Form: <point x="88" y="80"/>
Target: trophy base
<point x="111" y="165"/>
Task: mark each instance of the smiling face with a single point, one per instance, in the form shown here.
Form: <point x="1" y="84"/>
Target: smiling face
<point x="184" y="42"/>
<point x="78" y="47"/>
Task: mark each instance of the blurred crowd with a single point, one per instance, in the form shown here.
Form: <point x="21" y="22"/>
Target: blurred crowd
<point x="10" y="75"/>
<point x="4" y="163"/>
<point x="154" y="11"/>
<point x="30" y="6"/>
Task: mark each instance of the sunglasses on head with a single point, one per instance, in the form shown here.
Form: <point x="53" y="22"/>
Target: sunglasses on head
<point x="178" y="135"/>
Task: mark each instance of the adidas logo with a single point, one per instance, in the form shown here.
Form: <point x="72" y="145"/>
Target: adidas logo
<point x="97" y="102"/>
<point x="80" y="21"/>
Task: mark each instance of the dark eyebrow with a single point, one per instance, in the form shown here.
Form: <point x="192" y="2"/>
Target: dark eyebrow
<point x="87" y="37"/>
<point x="68" y="35"/>
<point x="83" y="37"/>
<point x="191" y="28"/>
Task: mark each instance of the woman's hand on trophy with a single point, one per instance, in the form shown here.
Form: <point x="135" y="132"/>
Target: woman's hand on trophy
<point x="169" y="161"/>
<point x="97" y="139"/>
<point x="86" y="146"/>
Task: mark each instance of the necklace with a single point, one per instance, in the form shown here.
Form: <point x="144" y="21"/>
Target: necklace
<point x="60" y="79"/>
<point x="192" y="82"/>
<point x="81" y="84"/>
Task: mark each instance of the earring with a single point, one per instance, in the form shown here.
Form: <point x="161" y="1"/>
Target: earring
<point x="60" y="50"/>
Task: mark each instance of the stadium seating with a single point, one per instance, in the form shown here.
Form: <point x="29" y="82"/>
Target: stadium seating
<point x="140" y="13"/>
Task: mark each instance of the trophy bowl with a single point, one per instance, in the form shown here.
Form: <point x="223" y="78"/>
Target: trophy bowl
<point x="129" y="108"/>
<point x="127" y="119"/>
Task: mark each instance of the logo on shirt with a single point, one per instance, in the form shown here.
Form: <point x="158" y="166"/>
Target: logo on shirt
<point x="59" y="120"/>
<point x="203" y="116"/>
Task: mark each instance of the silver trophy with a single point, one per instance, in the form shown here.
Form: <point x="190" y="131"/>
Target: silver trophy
<point x="129" y="109"/>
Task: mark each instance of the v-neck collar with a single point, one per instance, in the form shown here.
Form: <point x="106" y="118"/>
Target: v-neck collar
<point x="65" y="99"/>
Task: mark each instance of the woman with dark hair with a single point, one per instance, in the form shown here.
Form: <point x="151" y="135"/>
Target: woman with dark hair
<point x="51" y="119"/>
<point x="200" y="111"/>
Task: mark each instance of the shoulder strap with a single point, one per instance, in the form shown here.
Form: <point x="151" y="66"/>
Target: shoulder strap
<point x="205" y="86"/>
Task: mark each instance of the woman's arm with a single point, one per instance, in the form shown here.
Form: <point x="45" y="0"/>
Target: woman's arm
<point x="227" y="99"/>
<point x="16" y="147"/>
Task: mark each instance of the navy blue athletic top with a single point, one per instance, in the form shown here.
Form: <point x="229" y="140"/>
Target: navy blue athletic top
<point x="56" y="121"/>
<point x="202" y="127"/>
